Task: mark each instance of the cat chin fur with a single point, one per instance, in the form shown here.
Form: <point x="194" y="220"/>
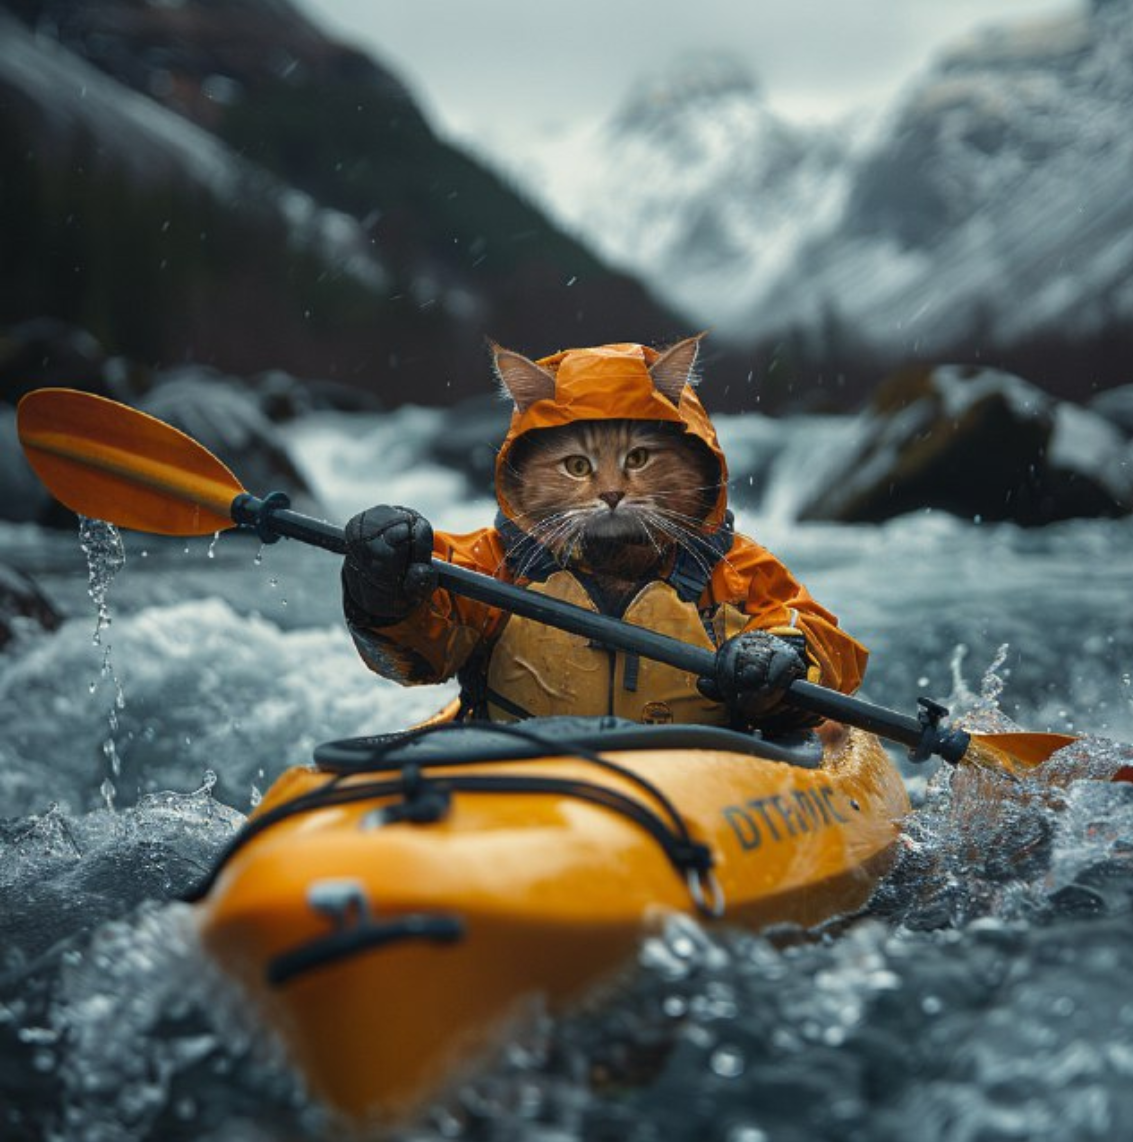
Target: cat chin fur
<point x="621" y="525"/>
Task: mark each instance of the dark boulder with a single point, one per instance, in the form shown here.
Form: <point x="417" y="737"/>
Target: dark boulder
<point x="45" y="353"/>
<point x="469" y="438"/>
<point x="978" y="443"/>
<point x="23" y="499"/>
<point x="218" y="412"/>
<point x="23" y="603"/>
<point x="283" y="397"/>
<point x="1116" y="405"/>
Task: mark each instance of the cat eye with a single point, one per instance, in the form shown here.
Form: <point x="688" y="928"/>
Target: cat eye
<point x="578" y="466"/>
<point x="636" y="458"/>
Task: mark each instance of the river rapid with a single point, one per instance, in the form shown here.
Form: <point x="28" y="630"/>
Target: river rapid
<point x="982" y="996"/>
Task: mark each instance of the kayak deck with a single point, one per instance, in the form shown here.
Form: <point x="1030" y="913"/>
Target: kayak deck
<point x="392" y="917"/>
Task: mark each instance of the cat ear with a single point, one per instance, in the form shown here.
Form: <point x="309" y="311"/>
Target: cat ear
<point x="522" y="380"/>
<point x="676" y="367"/>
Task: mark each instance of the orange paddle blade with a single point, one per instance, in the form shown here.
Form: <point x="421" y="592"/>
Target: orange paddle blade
<point x="1017" y="752"/>
<point x="107" y="461"/>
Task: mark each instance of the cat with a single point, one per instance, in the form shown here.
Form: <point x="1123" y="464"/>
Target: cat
<point x="614" y="497"/>
<point x="612" y="494"/>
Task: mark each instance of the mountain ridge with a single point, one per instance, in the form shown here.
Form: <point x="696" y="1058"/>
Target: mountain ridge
<point x="983" y="217"/>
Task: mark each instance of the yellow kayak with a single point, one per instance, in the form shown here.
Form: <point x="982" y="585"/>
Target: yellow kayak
<point x="395" y="910"/>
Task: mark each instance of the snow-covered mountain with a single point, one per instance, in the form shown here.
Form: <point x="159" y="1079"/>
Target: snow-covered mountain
<point x="695" y="184"/>
<point x="986" y="215"/>
<point x="998" y="206"/>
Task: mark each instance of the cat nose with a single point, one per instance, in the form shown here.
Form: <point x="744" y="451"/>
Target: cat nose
<point x="612" y="498"/>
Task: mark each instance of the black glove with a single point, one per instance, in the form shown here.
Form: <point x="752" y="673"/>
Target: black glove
<point x="753" y="671"/>
<point x="387" y="570"/>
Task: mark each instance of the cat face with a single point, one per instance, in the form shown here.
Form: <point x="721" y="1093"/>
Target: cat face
<point x="593" y="487"/>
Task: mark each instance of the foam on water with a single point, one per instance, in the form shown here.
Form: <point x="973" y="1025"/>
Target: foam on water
<point x="980" y="997"/>
<point x="206" y="687"/>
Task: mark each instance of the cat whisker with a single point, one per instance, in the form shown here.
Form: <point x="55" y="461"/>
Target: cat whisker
<point x="560" y="532"/>
<point x="651" y="537"/>
<point x="683" y="538"/>
<point x="694" y="523"/>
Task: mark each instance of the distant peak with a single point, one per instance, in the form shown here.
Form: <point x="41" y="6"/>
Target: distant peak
<point x="694" y="77"/>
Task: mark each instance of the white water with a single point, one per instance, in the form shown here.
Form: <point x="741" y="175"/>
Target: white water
<point x="120" y="1032"/>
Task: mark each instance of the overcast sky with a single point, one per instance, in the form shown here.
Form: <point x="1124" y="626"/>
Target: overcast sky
<point x="501" y="70"/>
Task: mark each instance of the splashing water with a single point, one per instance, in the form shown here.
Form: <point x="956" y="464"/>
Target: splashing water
<point x="105" y="555"/>
<point x="114" y="1084"/>
<point x="102" y="546"/>
<point x="981" y="711"/>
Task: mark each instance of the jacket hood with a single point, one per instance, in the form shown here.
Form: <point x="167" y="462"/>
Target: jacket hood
<point x="612" y="382"/>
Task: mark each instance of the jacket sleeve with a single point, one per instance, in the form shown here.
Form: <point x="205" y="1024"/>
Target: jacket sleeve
<point x="443" y="632"/>
<point x="751" y="578"/>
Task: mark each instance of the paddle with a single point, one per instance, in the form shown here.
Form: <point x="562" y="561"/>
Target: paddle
<point x="107" y="461"/>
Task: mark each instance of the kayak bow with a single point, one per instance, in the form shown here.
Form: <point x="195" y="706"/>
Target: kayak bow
<point x="396" y="911"/>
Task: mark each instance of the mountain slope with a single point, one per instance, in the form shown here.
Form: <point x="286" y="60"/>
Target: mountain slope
<point x="996" y="216"/>
<point x="232" y="187"/>
<point x="695" y="184"/>
<point x="985" y="217"/>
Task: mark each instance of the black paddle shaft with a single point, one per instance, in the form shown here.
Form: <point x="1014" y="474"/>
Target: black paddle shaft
<point x="271" y="518"/>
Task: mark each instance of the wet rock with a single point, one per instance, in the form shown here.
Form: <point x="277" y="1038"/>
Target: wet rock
<point x="48" y="353"/>
<point x="219" y="413"/>
<point x="283" y="397"/>
<point x="1076" y="900"/>
<point x="470" y="436"/>
<point x="23" y="499"/>
<point x="978" y="443"/>
<point x="22" y="602"/>
<point x="1116" y="405"/>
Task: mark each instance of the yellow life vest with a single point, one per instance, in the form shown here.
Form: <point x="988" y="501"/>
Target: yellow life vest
<point x="538" y="671"/>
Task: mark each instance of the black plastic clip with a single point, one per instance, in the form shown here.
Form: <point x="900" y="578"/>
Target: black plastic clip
<point x="950" y="744"/>
<point x="255" y="514"/>
<point x="424" y="802"/>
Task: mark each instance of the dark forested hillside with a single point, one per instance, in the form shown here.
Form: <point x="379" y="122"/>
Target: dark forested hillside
<point x="222" y="183"/>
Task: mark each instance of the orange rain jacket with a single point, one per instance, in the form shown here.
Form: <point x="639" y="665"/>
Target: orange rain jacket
<point x="448" y="634"/>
